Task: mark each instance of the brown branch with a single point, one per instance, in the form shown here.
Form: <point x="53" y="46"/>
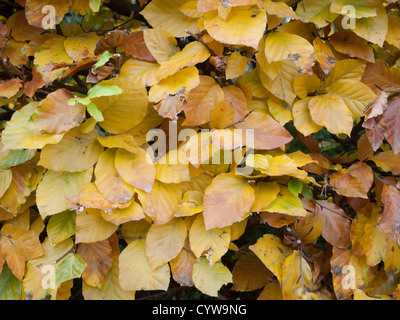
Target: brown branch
<point x="241" y="120"/>
<point x="8" y="72"/>
<point x="199" y="39"/>
<point x="338" y="213"/>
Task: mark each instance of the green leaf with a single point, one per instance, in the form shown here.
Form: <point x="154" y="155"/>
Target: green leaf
<point x="307" y="192"/>
<point x="295" y="187"/>
<point x="95" y="6"/>
<point x="103" y="59"/>
<point x="103" y="91"/>
<point x="16" y="157"/>
<point x="61" y="226"/>
<point x="95" y="112"/>
<point x="71" y="267"/>
<point x="10" y="286"/>
<point x="73" y="101"/>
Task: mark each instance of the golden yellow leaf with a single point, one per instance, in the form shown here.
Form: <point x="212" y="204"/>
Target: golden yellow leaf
<point x="212" y="243"/>
<point x="109" y="182"/>
<point x="136" y="169"/>
<point x="210" y="280"/>
<point x="20" y="133"/>
<point x="91" y="227"/>
<point x="226" y="200"/>
<point x="74" y="145"/>
<point x="331" y="111"/>
<point x="135" y="272"/>
<point x="236" y="65"/>
<point x="244" y="26"/>
<point x="163" y="243"/>
<point x="272" y="252"/>
<point x="159" y="204"/>
<point x="125" y="111"/>
<point x="167" y="16"/>
<point x="55" y="186"/>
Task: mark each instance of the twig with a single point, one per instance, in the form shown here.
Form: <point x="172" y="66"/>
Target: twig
<point x="65" y="254"/>
<point x="199" y="39"/>
<point x="10" y="75"/>
<point x="241" y="120"/>
<point x="6" y="236"/>
<point x="300" y="244"/>
<point x="338" y="213"/>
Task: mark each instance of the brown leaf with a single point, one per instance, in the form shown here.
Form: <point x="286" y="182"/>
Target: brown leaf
<point x="347" y="42"/>
<point x="389" y="220"/>
<point x="336" y="225"/>
<point x="37" y="82"/>
<point x="380" y="74"/>
<point x="10" y="88"/>
<point x="135" y="45"/>
<point x="110" y="41"/>
<point x="391" y="123"/>
<point x="98" y="256"/>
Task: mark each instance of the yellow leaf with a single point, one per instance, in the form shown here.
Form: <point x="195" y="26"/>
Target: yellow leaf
<point x="245" y="26"/>
<point x="330" y="111"/>
<point x="159" y="204"/>
<point x="109" y="182"/>
<point x="40" y="272"/>
<point x="226" y="200"/>
<point x="20" y="134"/>
<point x="163" y="243"/>
<point x="272" y="252"/>
<point x="160" y="43"/>
<point x="280" y="110"/>
<point x="136" y="169"/>
<point x="180" y="83"/>
<point x="306" y="84"/>
<point x="18" y="191"/>
<point x="82" y="46"/>
<point x="124" y="141"/>
<point x="167" y="16"/>
<point x="135" y="272"/>
<point x="139" y="70"/>
<point x="173" y="167"/>
<point x="210" y="280"/>
<point x="302" y="117"/>
<point x="74" y="145"/>
<point x="272" y="291"/>
<point x="281" y="46"/>
<point x="355" y="95"/>
<point x="122" y="215"/>
<point x="192" y="54"/>
<point x="293" y="276"/>
<point x="125" y="111"/>
<point x="212" y="243"/>
<point x="51" y="51"/>
<point x="286" y="203"/>
<point x="201" y="101"/>
<point x="249" y="273"/>
<point x="316" y="11"/>
<point x="191" y="203"/>
<point x="53" y="188"/>
<point x="236" y="65"/>
<point x="265" y="193"/>
<point x="91" y="227"/>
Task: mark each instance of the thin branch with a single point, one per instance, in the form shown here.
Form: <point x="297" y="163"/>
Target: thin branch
<point x="10" y="75"/>
<point x="65" y="254"/>
<point x="241" y="120"/>
<point x="338" y="213"/>
<point x="6" y="236"/>
<point x="199" y="39"/>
